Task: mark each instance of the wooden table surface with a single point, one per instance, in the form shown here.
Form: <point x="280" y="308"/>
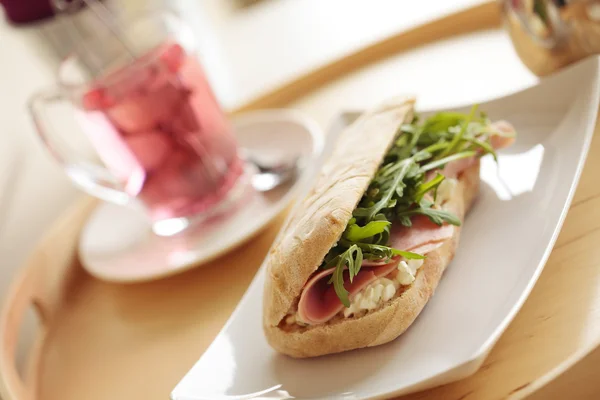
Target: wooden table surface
<point x="136" y="341"/>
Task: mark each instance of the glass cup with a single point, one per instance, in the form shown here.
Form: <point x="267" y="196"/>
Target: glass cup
<point x="551" y="34"/>
<point x="155" y="135"/>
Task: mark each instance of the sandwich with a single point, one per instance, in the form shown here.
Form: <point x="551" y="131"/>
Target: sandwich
<point x="366" y="248"/>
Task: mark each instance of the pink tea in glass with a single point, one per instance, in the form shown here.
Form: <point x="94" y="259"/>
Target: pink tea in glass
<point x="157" y="126"/>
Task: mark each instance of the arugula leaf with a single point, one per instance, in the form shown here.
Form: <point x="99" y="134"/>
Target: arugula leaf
<point x="404" y="220"/>
<point x="337" y="278"/>
<point x="352" y="259"/>
<point x="442" y="121"/>
<point x="485" y="146"/>
<point x="454" y="144"/>
<point x="393" y="187"/>
<point x="425" y="187"/>
<point x="355" y="233"/>
<point x="436" y="216"/>
<point x="440" y="163"/>
<point x="408" y="254"/>
<point x="382" y="252"/>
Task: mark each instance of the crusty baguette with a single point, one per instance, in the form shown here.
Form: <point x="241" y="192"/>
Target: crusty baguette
<point x="392" y="318"/>
<point x="323" y="215"/>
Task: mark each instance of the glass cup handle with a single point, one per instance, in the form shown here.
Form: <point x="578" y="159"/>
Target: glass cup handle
<point x="92" y="178"/>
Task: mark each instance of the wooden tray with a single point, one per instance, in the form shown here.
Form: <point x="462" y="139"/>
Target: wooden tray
<point x="104" y="341"/>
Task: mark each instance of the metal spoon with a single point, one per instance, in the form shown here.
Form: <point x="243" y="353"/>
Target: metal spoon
<point x="269" y="176"/>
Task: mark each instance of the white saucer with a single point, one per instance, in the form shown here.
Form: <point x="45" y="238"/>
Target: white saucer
<point x="118" y="245"/>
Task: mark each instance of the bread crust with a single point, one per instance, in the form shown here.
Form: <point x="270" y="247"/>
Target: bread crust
<point x="393" y="317"/>
<point x="320" y="220"/>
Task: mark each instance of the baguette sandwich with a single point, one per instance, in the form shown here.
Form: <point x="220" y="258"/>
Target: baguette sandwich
<point x="364" y="251"/>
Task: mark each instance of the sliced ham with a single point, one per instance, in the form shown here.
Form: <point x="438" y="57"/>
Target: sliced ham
<point x="420" y="236"/>
<point x="454" y="168"/>
<point x="373" y="263"/>
<point x="426" y="248"/>
<point x="507" y="136"/>
<point x="319" y="302"/>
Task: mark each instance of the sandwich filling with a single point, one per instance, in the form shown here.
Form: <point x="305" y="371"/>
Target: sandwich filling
<point x="400" y="218"/>
<point x="378" y="281"/>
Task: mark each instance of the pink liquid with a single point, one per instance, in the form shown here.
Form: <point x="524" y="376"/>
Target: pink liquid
<point x="157" y="126"/>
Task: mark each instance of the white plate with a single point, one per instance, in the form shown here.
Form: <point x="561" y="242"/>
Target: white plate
<point x="118" y="245"/>
<point x="506" y="240"/>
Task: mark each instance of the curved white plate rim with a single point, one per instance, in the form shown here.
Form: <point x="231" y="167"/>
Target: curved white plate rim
<point x="594" y="101"/>
<point x="589" y="72"/>
<point x="318" y="142"/>
<point x="479" y="356"/>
